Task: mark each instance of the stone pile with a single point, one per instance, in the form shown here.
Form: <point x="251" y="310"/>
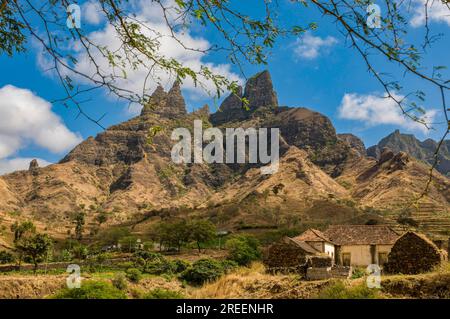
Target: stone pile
<point x="413" y="253"/>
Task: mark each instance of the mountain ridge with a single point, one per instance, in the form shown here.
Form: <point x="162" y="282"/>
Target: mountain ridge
<point x="126" y="170"/>
<point x="422" y="150"/>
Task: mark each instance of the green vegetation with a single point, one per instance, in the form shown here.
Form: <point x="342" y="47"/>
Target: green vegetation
<point x="79" y="221"/>
<point x="175" y="234"/>
<point x="134" y="275"/>
<point x="358" y="273"/>
<point x="91" y="290"/>
<point x="120" y="281"/>
<point x="243" y="249"/>
<point x="31" y="245"/>
<point x="206" y="270"/>
<point x="161" y="293"/>
<point x="338" y="290"/>
<point x="6" y="257"/>
<point x="36" y="247"/>
<point x="201" y="231"/>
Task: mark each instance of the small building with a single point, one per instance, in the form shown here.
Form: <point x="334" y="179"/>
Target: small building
<point x="414" y="253"/>
<point x="361" y="245"/>
<point x="288" y="255"/>
<point x="316" y="239"/>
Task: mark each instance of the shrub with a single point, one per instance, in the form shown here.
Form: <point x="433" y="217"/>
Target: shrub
<point x="228" y="265"/>
<point x="125" y="265"/>
<point x="80" y="251"/>
<point x="243" y="249"/>
<point x="160" y="266"/>
<point x="134" y="275"/>
<point x="201" y="271"/>
<point x="6" y="257"/>
<point x="66" y="255"/>
<point x="180" y="265"/>
<point x="161" y="293"/>
<point x="120" y="281"/>
<point x="91" y="290"/>
<point x="358" y="273"/>
<point x="338" y="290"/>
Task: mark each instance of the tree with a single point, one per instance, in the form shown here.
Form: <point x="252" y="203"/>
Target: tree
<point x="79" y="225"/>
<point x="243" y="249"/>
<point x="36" y="247"/>
<point x="172" y="234"/>
<point x="201" y="231"/>
<point x="21" y="231"/>
<point x="101" y="218"/>
<point x="6" y="257"/>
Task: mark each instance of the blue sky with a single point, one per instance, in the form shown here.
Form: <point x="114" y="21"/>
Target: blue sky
<point x="318" y="71"/>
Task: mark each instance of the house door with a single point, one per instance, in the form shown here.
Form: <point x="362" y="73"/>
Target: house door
<point x="346" y="259"/>
<point x="382" y="258"/>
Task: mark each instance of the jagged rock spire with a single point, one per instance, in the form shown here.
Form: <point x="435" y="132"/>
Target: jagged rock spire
<point x="259" y="91"/>
<point x="175" y="99"/>
<point x="169" y="104"/>
<point x="33" y="165"/>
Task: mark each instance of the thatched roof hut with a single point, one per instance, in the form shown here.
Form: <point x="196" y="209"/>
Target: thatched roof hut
<point x="413" y="253"/>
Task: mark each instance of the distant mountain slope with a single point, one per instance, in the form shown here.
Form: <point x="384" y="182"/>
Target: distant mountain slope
<point x="422" y="150"/>
<point x="126" y="171"/>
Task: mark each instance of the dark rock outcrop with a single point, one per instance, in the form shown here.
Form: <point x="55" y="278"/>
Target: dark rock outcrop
<point x="34" y="165"/>
<point x="386" y="155"/>
<point x="168" y="105"/>
<point x="258" y="91"/>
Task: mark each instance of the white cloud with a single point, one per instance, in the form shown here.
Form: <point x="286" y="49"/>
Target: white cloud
<point x="150" y="14"/>
<point x="92" y="12"/>
<point x="17" y="164"/>
<point x="26" y="118"/>
<point x="309" y="47"/>
<point x="437" y="12"/>
<point x="378" y="110"/>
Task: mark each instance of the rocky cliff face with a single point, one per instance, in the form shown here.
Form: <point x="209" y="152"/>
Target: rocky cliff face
<point x="422" y="150"/>
<point x="355" y="143"/>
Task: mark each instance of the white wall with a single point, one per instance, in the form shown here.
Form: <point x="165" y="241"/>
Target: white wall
<point x="360" y="254"/>
<point x="329" y="249"/>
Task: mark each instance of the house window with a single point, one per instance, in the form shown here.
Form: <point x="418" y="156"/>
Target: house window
<point x="382" y="258"/>
<point x="346" y="259"/>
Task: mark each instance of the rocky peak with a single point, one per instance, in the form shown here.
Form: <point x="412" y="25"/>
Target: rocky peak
<point x="33" y="165"/>
<point x="408" y="143"/>
<point x="259" y="91"/>
<point x="175" y="100"/>
<point x="169" y="104"/>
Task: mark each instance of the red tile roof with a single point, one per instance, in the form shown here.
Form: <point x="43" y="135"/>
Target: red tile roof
<point x="313" y="235"/>
<point x="361" y="234"/>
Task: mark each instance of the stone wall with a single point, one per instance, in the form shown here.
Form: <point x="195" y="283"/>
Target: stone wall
<point x="413" y="254"/>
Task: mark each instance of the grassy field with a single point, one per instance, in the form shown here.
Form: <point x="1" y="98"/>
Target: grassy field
<point x="242" y="282"/>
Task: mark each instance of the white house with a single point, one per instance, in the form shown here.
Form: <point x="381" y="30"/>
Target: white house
<point x="316" y="239"/>
<point x="361" y="245"/>
<point x="353" y="245"/>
